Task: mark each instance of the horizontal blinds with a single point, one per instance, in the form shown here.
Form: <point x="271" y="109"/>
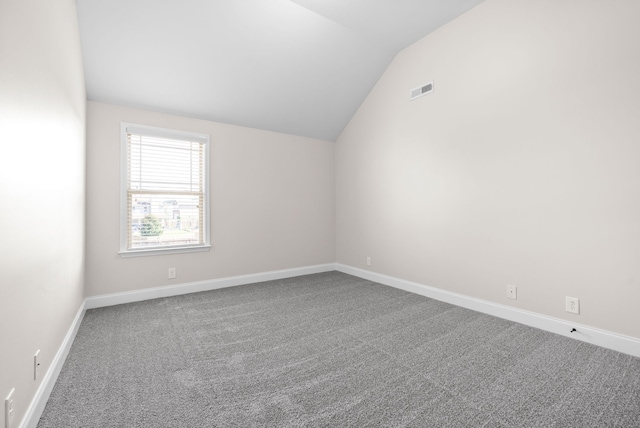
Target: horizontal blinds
<point x="165" y="190"/>
<point x="157" y="164"/>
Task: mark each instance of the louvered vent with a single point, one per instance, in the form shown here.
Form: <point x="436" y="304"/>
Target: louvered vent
<point x="425" y="89"/>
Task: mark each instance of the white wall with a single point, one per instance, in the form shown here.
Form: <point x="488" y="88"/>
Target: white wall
<point x="272" y="203"/>
<point x="42" y="136"/>
<point x="523" y="167"/>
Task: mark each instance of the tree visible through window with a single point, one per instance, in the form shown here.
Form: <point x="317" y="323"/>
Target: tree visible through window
<point x="165" y="196"/>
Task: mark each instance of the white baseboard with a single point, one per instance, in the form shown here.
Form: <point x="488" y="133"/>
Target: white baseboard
<point x="194" y="287"/>
<point x="606" y="339"/>
<point x="32" y="417"/>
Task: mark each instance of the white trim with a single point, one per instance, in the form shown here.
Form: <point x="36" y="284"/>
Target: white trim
<point x="606" y="339"/>
<point x="194" y="287"/>
<point x="124" y="212"/>
<point x="163" y="251"/>
<point x="205" y="139"/>
<point x="39" y="401"/>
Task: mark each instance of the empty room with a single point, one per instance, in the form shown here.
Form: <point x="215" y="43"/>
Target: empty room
<point x="319" y="213"/>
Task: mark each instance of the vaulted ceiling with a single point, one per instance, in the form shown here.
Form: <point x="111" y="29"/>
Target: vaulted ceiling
<point x="300" y="67"/>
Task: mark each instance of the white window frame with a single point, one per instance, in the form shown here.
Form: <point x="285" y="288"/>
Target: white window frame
<point x="131" y="128"/>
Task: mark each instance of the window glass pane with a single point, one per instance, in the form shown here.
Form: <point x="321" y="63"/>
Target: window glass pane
<point x="165" y="219"/>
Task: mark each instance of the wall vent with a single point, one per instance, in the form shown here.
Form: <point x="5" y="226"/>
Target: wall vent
<point x="425" y="89"/>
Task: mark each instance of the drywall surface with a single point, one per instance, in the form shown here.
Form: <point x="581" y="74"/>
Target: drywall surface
<point x="42" y="142"/>
<point x="272" y="203"/>
<point x="522" y="167"/>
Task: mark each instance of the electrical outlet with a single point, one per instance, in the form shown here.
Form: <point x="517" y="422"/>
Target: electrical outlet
<point x="9" y="409"/>
<point x="368" y="261"/>
<point x="512" y="292"/>
<point x="36" y="365"/>
<point x="572" y="304"/>
<point x="172" y="273"/>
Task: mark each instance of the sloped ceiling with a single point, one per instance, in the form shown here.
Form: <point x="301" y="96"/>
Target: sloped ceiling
<point x="300" y="67"/>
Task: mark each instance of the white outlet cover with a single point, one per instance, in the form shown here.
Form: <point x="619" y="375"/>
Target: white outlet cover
<point x="572" y="304"/>
<point x="9" y="409"/>
<point x="512" y="292"/>
<point x="36" y="365"/>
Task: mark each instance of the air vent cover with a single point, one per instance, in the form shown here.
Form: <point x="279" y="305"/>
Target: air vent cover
<point x="425" y="89"/>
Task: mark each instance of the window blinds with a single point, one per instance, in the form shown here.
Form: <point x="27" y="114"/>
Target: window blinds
<point x="165" y="190"/>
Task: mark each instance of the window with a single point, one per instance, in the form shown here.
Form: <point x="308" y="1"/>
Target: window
<point x="165" y="201"/>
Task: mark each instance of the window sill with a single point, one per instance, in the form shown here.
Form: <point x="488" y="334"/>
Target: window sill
<point x="163" y="251"/>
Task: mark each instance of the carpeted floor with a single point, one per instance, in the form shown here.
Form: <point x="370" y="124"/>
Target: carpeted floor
<point x="332" y="350"/>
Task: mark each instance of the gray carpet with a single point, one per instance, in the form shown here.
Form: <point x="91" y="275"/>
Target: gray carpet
<point x="332" y="350"/>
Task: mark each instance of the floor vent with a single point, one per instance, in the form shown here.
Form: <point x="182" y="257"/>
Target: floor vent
<point x="425" y="89"/>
